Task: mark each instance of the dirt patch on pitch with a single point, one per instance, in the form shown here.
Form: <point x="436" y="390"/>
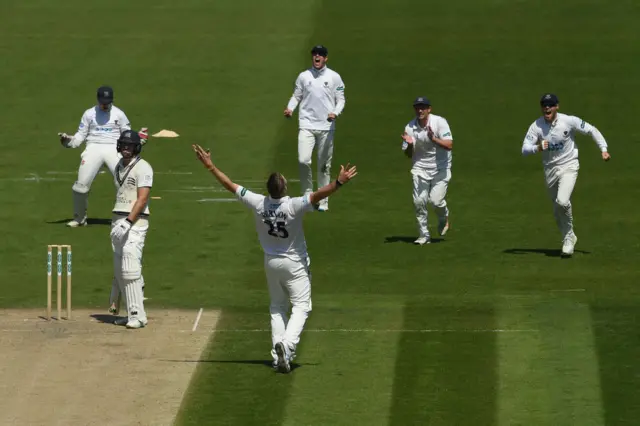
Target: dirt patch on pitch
<point x="88" y="372"/>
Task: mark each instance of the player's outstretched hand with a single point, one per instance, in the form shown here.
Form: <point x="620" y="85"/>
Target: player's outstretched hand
<point x="288" y="113"/>
<point x="606" y="156"/>
<point x="347" y="173"/>
<point x="203" y="155"/>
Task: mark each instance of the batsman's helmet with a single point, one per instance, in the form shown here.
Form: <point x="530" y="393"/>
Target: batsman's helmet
<point x="130" y="137"/>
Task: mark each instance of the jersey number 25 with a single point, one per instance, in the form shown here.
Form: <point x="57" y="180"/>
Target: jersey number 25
<point x="277" y="229"/>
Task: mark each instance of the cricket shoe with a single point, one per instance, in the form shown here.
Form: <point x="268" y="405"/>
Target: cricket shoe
<point x="137" y="323"/>
<point x="422" y="241"/>
<point x="75" y="224"/>
<point x="443" y="226"/>
<point x="283" y="365"/>
<point x="569" y="244"/>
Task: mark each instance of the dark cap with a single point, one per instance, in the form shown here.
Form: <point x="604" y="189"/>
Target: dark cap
<point x="319" y="50"/>
<point x="421" y="100"/>
<point x="549" y="99"/>
<point x="105" y="95"/>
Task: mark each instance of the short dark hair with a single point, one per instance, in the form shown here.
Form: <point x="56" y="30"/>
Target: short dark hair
<point x="276" y="185"/>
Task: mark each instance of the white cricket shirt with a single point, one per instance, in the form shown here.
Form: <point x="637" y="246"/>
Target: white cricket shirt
<point x="561" y="137"/>
<point x="428" y="157"/>
<point x="138" y="174"/>
<point x="279" y="222"/>
<point x="100" y="127"/>
<point x="319" y="93"/>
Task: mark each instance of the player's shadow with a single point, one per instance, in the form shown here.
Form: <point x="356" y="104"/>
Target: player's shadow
<point x="90" y="221"/>
<point x="262" y="362"/>
<point x="546" y="252"/>
<point x="408" y="240"/>
<point x="105" y="318"/>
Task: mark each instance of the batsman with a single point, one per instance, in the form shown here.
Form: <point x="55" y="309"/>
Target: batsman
<point x="133" y="178"/>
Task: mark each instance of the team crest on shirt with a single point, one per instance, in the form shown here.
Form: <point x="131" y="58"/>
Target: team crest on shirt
<point x="326" y="84"/>
<point x="131" y="181"/>
<point x="116" y="121"/>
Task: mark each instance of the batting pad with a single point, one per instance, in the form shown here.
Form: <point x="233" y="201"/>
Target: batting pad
<point x="135" y="304"/>
<point x="131" y="267"/>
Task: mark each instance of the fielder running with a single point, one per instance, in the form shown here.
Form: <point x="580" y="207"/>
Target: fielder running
<point x="427" y="140"/>
<point x="279" y="224"/>
<point x="553" y="134"/>
<point x="320" y="93"/>
<point x="133" y="178"/>
<point x="100" y="127"/>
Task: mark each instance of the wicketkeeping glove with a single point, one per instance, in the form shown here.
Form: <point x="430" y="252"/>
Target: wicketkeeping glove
<point x="144" y="135"/>
<point x="120" y="230"/>
<point x="65" y="139"/>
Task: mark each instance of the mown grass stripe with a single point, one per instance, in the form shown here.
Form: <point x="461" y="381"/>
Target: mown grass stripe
<point x="549" y="377"/>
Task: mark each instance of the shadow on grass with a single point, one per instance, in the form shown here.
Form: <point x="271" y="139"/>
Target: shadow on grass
<point x="546" y="252"/>
<point x="408" y="240"/>
<point x="90" y="221"/>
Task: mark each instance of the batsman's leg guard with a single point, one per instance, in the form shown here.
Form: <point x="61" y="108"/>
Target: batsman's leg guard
<point x="135" y="302"/>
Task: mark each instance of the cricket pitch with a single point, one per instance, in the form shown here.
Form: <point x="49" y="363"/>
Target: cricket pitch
<point x="89" y="372"/>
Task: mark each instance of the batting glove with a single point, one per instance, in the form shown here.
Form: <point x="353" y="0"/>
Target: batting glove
<point x="120" y="230"/>
<point x="144" y="135"/>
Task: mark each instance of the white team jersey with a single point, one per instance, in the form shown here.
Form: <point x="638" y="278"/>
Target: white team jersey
<point x="561" y="137"/>
<point x="128" y="179"/>
<point x="429" y="157"/>
<point x="279" y="222"/>
<point x="100" y="127"/>
<point x="319" y="92"/>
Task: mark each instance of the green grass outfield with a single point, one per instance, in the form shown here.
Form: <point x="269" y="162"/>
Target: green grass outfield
<point x="488" y="327"/>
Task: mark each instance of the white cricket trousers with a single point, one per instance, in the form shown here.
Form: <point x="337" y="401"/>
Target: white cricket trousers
<point x="289" y="282"/>
<point x="127" y="267"/>
<point x="430" y="190"/>
<point x="91" y="160"/>
<point x="309" y="139"/>
<point x="560" y="183"/>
